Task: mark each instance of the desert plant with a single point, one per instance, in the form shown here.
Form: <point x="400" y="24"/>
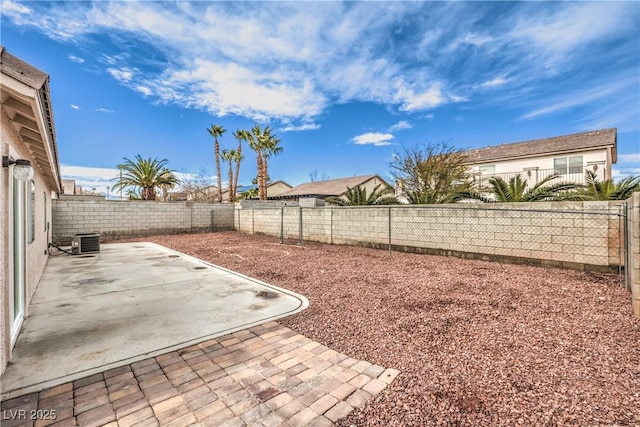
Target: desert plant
<point x="609" y="189"/>
<point x="357" y="196"/>
<point x="431" y="173"/>
<point x="146" y="175"/>
<point x="517" y="190"/>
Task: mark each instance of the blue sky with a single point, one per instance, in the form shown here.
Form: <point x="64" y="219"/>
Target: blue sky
<point x="344" y="85"/>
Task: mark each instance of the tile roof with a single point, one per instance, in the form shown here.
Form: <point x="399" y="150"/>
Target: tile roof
<point x="539" y="147"/>
<point x="331" y="187"/>
<point x="21" y="71"/>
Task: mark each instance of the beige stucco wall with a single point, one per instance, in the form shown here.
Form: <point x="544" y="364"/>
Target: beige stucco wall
<point x="35" y="255"/>
<point x="277" y="188"/>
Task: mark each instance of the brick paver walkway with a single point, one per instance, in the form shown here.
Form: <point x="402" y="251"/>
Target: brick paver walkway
<point x="267" y="375"/>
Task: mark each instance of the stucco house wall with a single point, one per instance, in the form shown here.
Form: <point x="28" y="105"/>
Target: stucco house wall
<point x="589" y="158"/>
<point x="27" y="132"/>
<point x="35" y="252"/>
<point x="276" y="188"/>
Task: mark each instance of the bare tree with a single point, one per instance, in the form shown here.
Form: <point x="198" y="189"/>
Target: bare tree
<point x="315" y="176"/>
<point x="199" y="188"/>
<point x="431" y="173"/>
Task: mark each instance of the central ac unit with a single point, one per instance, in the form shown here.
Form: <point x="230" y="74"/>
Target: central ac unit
<point x="83" y="243"/>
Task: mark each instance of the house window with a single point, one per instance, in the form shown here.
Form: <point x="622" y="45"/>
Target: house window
<point x="566" y="165"/>
<point x="31" y="212"/>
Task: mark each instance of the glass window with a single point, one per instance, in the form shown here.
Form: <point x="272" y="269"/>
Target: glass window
<point x="564" y="165"/>
<point x="560" y="165"/>
<point x="575" y="164"/>
<point x="31" y="212"/>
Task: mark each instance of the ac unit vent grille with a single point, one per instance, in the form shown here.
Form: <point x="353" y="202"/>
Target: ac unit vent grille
<point x="83" y="243"/>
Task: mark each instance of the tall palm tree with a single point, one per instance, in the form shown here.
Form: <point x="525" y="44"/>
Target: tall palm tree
<point x="230" y="156"/>
<point x="608" y="189"/>
<point x="240" y="135"/>
<point x="146" y="175"/>
<point x="216" y="131"/>
<point x="516" y="190"/>
<point x="357" y="196"/>
<point x="265" y="144"/>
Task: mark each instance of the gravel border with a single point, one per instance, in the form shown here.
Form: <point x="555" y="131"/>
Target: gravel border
<point x="477" y="343"/>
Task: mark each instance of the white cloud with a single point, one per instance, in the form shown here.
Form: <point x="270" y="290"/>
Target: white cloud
<point x="373" y="138"/>
<point x="123" y="75"/>
<point x="76" y="59"/>
<point x="402" y="124"/>
<point x="498" y="81"/>
<point x="89" y="178"/>
<point x="413" y="100"/>
<point x="10" y="7"/>
<point x="290" y="61"/>
<point x="574" y="24"/>
<point x="144" y="90"/>
<point x="565" y="100"/>
<point x="281" y="60"/>
<point x="629" y="158"/>
<point x="477" y="39"/>
<point x="104" y="110"/>
<point x="294" y="128"/>
<point x="624" y="172"/>
<point x="429" y="116"/>
<point x="75" y="107"/>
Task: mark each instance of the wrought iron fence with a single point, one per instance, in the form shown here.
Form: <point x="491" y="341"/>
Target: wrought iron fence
<point x="533" y="176"/>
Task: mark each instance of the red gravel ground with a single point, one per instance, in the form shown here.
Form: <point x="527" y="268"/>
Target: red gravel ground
<point x="477" y="343"/>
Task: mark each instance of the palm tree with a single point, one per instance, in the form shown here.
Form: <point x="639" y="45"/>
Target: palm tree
<point x="240" y="135"/>
<point x="516" y="190"/>
<point x="265" y="144"/>
<point x="231" y="156"/>
<point x="146" y="175"/>
<point x="608" y="189"/>
<point x="357" y="196"/>
<point x="216" y="131"/>
<point x="227" y="156"/>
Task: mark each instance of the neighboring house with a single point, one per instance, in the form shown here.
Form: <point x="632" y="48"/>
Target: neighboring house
<point x="210" y="192"/>
<point x="568" y="156"/>
<point x="333" y="187"/>
<point x="27" y="137"/>
<point x="70" y="188"/>
<point x="274" y="190"/>
<point x="277" y="188"/>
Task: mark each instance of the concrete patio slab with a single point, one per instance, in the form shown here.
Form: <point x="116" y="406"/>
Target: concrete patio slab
<point x="130" y="302"/>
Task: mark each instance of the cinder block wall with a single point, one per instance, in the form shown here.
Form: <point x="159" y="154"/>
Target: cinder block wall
<point x="574" y="235"/>
<point x="122" y="219"/>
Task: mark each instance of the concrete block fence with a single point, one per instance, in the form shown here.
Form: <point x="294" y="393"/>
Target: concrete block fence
<point x="577" y="235"/>
<point x="121" y="219"/>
